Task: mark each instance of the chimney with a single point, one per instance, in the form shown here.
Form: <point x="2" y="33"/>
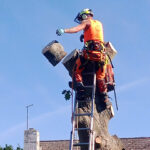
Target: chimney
<point x="31" y="139"/>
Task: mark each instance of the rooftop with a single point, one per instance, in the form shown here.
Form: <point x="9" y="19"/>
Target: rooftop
<point x="137" y="143"/>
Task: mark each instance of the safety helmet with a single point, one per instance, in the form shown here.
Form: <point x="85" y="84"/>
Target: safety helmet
<point x="83" y="15"/>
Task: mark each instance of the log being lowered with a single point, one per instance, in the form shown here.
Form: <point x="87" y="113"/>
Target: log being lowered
<point x="54" y="52"/>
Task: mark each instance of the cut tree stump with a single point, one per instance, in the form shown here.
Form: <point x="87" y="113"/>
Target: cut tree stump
<point x="103" y="140"/>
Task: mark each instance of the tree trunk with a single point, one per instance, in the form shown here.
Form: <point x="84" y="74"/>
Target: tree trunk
<point x="103" y="140"/>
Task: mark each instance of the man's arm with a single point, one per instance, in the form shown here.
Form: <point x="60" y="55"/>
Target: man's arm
<point x="78" y="28"/>
<point x="84" y="25"/>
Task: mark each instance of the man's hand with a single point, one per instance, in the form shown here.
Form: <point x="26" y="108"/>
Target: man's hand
<point x="59" y="32"/>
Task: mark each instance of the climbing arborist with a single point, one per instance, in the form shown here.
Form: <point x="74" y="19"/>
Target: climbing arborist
<point x="93" y="49"/>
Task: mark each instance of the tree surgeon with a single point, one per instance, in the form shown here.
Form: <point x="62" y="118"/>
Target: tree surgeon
<point x="93" y="50"/>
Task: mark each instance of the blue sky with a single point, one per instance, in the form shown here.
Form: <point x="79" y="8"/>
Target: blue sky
<point x="26" y="77"/>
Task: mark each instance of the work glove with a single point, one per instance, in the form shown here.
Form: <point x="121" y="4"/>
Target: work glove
<point x="59" y="32"/>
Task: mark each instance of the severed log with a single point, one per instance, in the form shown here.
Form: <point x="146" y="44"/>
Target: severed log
<point x="54" y="52"/>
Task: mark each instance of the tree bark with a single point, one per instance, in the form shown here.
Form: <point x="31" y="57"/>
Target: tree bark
<point x="103" y="140"/>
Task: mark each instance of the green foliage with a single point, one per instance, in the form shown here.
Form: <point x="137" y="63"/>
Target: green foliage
<point x="18" y="148"/>
<point x="9" y="147"/>
<point x="67" y="94"/>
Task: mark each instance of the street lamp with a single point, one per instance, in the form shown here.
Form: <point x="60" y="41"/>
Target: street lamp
<point x="27" y="113"/>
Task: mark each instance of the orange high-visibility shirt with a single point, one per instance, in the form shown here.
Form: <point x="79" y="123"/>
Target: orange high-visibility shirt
<point x="94" y="32"/>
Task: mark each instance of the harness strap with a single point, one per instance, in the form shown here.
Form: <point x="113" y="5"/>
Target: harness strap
<point x="94" y="45"/>
<point x="110" y="61"/>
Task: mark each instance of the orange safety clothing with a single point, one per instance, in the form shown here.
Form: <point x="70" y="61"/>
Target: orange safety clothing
<point x="95" y="55"/>
<point x="78" y="71"/>
<point x="94" y="32"/>
<point x="109" y="74"/>
<point x="100" y="75"/>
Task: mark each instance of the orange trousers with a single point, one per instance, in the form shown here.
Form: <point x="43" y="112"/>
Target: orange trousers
<point x="100" y="76"/>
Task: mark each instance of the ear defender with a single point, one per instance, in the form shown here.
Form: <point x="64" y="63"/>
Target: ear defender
<point x="84" y="16"/>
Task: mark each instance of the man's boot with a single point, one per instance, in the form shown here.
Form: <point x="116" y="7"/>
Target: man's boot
<point x="103" y="92"/>
<point x="108" y="104"/>
<point x="80" y="91"/>
<point x="79" y="86"/>
<point x="105" y="99"/>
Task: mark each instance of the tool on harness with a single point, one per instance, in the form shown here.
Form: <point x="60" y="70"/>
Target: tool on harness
<point x="110" y="61"/>
<point x="81" y="38"/>
<point x="112" y="86"/>
<point x="94" y="51"/>
<point x="93" y="45"/>
<point x="115" y="98"/>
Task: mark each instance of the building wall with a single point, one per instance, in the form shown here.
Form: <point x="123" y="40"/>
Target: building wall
<point x="31" y="140"/>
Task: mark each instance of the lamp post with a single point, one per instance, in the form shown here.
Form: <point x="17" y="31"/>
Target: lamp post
<point x="27" y="113"/>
